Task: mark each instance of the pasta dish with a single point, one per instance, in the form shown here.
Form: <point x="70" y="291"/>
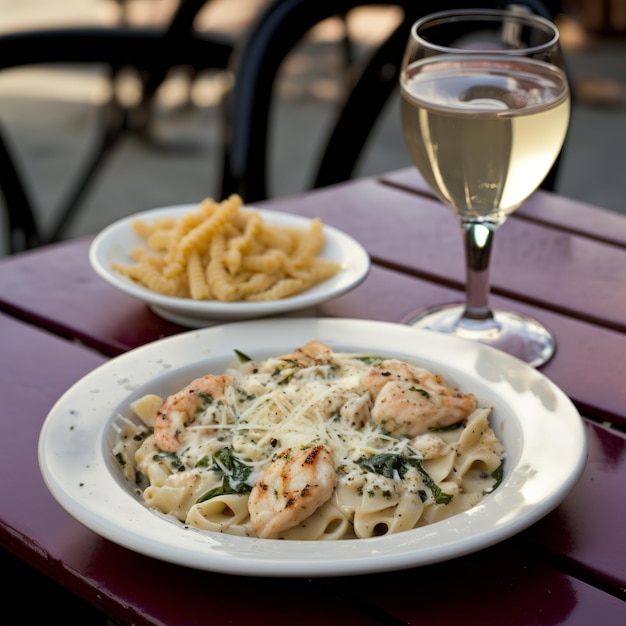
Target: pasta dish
<point x="311" y="445"/>
<point x="221" y="252"/>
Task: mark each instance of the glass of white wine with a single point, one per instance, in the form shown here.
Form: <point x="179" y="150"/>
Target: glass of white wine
<point x="485" y="108"/>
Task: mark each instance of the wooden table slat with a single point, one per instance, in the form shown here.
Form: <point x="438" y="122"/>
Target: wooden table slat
<point x="557" y="260"/>
<point x="544" y="207"/>
<point x="39" y="352"/>
<point x="122" y="583"/>
<point x="80" y="304"/>
<point x="570" y="274"/>
<point x="591" y="506"/>
<point x="448" y="594"/>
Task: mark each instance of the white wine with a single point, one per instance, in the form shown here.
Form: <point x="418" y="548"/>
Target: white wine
<point x="484" y="132"/>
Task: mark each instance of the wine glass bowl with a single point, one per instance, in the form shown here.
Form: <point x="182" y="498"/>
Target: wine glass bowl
<point x="484" y="109"/>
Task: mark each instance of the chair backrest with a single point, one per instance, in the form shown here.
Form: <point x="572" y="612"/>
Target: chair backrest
<point x="152" y="52"/>
<point x="256" y="64"/>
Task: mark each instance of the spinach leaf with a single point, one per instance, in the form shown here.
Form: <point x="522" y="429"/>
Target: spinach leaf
<point x="384" y="464"/>
<point x="369" y="360"/>
<point x="234" y="475"/>
<point x="498" y="474"/>
<point x="173" y="458"/>
<point x="388" y="464"/>
<point x="244" y="358"/>
<point x="441" y="497"/>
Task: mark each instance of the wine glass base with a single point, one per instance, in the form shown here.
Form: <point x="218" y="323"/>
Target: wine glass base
<point x="515" y="334"/>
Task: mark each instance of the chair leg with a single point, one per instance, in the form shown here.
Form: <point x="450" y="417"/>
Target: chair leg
<point x="113" y="128"/>
<point x="23" y="231"/>
<point x="346" y="43"/>
<point x="351" y="130"/>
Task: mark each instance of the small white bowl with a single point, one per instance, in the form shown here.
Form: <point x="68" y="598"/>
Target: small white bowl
<point x="114" y="243"/>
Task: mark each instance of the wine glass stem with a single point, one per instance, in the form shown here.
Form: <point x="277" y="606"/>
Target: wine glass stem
<point x="478" y="239"/>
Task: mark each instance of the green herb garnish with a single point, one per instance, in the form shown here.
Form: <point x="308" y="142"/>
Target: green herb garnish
<point x="388" y="465"/>
<point x="369" y="360"/>
<point x="173" y="458"/>
<point x="234" y="475"/>
<point x="498" y="474"/>
<point x="244" y="358"/>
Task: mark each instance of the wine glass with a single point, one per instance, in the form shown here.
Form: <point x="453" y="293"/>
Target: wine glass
<point x="485" y="108"/>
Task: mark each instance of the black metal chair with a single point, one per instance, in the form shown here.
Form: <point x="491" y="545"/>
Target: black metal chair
<point x="256" y="64"/>
<point x="151" y="52"/>
<point x="254" y="61"/>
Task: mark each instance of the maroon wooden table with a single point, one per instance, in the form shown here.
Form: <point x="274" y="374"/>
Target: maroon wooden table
<point x="557" y="260"/>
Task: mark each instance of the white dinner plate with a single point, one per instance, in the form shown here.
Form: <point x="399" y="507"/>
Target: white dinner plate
<point x="541" y="430"/>
<point x="114" y="243"/>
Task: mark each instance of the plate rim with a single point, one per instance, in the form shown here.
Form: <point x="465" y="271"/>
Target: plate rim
<point x="211" y="311"/>
<point x="227" y="554"/>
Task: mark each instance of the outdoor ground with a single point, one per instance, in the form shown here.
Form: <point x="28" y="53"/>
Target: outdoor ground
<point x="51" y="114"/>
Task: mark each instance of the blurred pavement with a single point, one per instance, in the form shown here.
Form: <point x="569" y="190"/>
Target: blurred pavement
<point x="50" y="116"/>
